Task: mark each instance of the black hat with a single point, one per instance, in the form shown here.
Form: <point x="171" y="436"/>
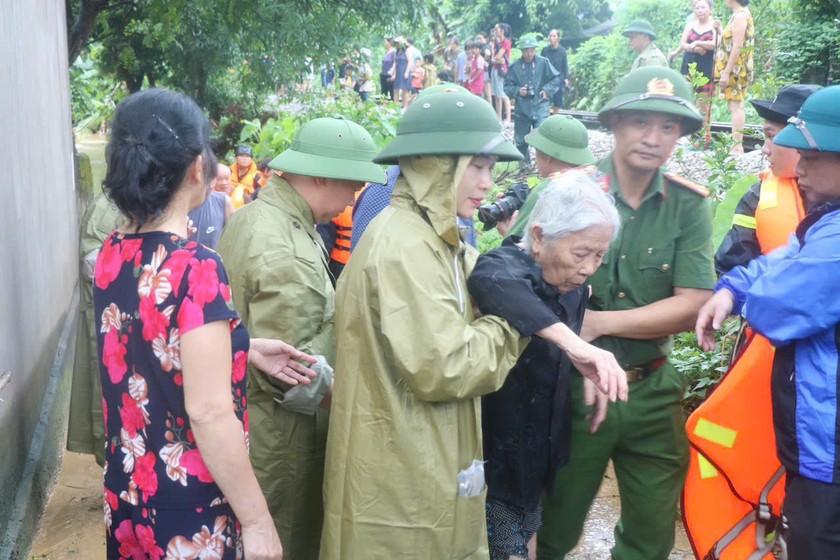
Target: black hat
<point x="787" y="103"/>
<point x="244" y="151"/>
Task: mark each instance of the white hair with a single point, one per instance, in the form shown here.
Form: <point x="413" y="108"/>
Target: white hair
<point x="572" y="203"/>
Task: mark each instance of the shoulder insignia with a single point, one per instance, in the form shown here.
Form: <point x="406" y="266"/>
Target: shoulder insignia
<point x="688" y="184"/>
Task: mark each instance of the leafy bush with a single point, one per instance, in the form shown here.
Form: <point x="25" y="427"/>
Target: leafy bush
<point x="93" y="95"/>
<point x="807" y="52"/>
<point x="274" y="133"/>
<point x="703" y="370"/>
<point x="600" y="62"/>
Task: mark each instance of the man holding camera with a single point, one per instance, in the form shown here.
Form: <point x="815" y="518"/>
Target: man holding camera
<point x="653" y="280"/>
<point x="531" y="82"/>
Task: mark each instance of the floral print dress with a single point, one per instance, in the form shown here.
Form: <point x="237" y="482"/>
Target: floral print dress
<point x="160" y="499"/>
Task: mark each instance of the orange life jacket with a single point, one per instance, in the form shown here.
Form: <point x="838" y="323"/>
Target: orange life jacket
<point x="780" y="209"/>
<point x="343" y="236"/>
<point x="242" y="186"/>
<point x="733" y="495"/>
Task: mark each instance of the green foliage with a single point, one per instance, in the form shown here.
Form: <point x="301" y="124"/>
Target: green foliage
<point x="724" y="172"/>
<point x="807" y="52"/>
<point x="600" y="62"/>
<point x="93" y="95"/>
<point x="596" y="67"/>
<point x="703" y="370"/>
<point x="276" y="133"/>
<point x="726" y="209"/>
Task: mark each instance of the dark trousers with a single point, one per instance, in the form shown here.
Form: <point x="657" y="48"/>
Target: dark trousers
<point x="523" y="124"/>
<point x="812" y="509"/>
<point x="387" y="86"/>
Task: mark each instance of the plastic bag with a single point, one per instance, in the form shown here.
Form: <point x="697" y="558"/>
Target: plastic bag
<point x="471" y="479"/>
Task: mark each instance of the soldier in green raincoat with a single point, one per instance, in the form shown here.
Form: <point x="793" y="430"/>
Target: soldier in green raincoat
<point x="282" y="288"/>
<point x="531" y="83"/>
<point x="412" y="357"/>
<point x="86" y="428"/>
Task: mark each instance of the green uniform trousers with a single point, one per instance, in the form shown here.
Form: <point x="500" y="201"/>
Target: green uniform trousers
<point x="287" y="452"/>
<point x="645" y="437"/>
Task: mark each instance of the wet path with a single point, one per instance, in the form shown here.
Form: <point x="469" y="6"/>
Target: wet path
<point x="72" y="527"/>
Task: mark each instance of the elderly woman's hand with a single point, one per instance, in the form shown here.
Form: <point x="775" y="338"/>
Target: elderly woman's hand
<point x="599" y="366"/>
<point x="711" y="316"/>
<point x="599" y="403"/>
<point x="281" y="360"/>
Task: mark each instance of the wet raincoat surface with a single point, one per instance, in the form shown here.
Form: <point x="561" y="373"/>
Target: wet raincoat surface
<point x="412" y="362"/>
<point x="282" y="290"/>
<point x="86" y="428"/>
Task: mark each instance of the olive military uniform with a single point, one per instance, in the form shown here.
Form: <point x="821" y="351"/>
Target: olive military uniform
<point x="651" y="56"/>
<point x="665" y="243"/>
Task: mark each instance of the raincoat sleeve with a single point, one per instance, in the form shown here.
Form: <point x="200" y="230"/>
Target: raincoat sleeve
<point x="550" y="79"/>
<point x="501" y="285"/>
<point x="513" y="81"/>
<point x="428" y="340"/>
<point x="796" y="297"/>
<point x="740" y="279"/>
<point x="288" y="302"/>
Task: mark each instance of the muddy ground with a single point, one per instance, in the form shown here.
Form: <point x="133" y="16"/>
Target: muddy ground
<point x="72" y="529"/>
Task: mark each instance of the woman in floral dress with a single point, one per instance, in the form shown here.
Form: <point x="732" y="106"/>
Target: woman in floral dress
<point x="173" y="354"/>
<point x="734" y="65"/>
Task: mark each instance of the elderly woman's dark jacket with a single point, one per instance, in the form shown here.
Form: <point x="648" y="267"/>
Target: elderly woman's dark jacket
<point x="526" y="423"/>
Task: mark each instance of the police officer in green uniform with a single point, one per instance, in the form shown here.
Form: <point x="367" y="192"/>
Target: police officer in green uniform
<point x="560" y="143"/>
<point x="531" y="82"/>
<point x="642" y="37"/>
<point x="283" y="289"/>
<point x="653" y="280"/>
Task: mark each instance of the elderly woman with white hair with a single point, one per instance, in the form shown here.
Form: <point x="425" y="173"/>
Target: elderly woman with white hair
<point x="538" y="286"/>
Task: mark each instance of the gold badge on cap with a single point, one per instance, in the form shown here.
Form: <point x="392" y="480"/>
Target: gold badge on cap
<point x="660" y="86"/>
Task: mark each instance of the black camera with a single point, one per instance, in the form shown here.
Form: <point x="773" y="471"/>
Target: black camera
<point x="530" y="91"/>
<point x="502" y="209"/>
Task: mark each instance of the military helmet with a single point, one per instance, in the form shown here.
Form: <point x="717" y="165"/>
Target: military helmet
<point x="333" y="148"/>
<point x="640" y="26"/>
<point x="658" y="89"/>
<point x="448" y="123"/>
<point x="527" y="42"/>
<point x="817" y="126"/>
<point x="442" y="87"/>
<point x="564" y="138"/>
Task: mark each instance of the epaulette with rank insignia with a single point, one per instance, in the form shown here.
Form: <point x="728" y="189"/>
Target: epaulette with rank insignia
<point x="688" y="184"/>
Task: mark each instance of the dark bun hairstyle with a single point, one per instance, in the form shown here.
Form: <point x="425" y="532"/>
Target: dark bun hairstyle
<point x="156" y="134"/>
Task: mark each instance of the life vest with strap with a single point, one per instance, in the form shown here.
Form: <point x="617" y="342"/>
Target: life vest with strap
<point x="343" y="236"/>
<point x="734" y="491"/>
<point x="779" y="211"/>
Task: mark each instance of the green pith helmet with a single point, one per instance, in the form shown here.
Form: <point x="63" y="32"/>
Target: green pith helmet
<point x="442" y="87"/>
<point x="658" y="89"/>
<point x="448" y="123"/>
<point x="817" y="126"/>
<point x="527" y="42"/>
<point x="640" y="26"/>
<point x="564" y="138"/>
<point x="332" y="148"/>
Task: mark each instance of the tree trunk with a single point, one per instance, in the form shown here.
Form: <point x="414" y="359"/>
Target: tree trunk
<point x="82" y="26"/>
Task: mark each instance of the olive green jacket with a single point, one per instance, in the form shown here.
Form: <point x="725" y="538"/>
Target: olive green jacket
<point x="651" y="56"/>
<point x="86" y="428"/>
<point x="282" y="289"/>
<point x="412" y="362"/>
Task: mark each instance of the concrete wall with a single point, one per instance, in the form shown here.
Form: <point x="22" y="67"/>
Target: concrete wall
<point x="38" y="263"/>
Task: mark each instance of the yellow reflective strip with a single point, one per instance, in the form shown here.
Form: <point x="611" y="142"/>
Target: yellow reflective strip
<point x="769" y="195"/>
<point x="715" y="433"/>
<point x="743" y="220"/>
<point x="707" y="470"/>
